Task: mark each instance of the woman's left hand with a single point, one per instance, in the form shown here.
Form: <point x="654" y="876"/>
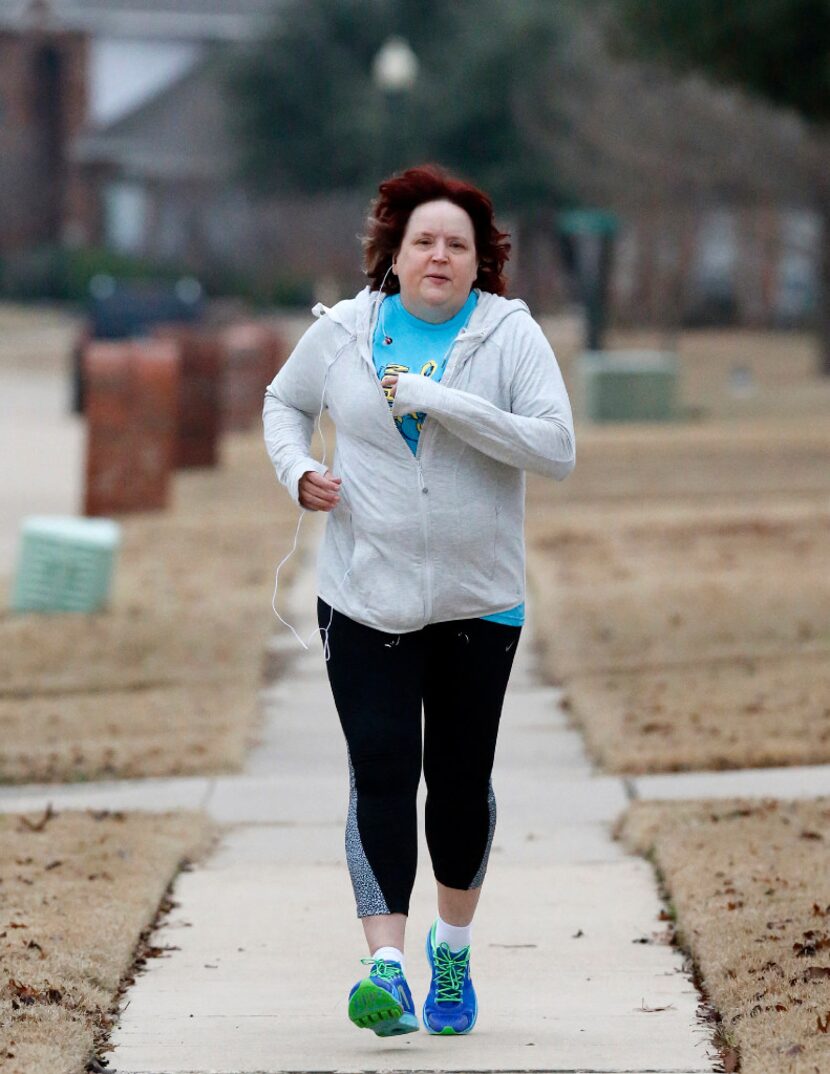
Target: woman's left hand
<point x="390" y="383"/>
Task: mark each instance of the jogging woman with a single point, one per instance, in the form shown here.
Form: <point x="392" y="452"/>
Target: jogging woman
<point x="443" y="393"/>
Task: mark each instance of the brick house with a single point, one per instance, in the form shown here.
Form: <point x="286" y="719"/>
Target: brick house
<point x="43" y="106"/>
<point x="70" y="69"/>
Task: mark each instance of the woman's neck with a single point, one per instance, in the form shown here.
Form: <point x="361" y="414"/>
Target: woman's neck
<point x="431" y="314"/>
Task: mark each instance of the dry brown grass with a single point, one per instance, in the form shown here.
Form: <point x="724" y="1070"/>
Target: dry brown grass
<point x="194" y="560"/>
<point x="673" y="585"/>
<point x="76" y="653"/>
<point x="77" y="893"/>
<point x="688" y="637"/>
<point x="784" y="455"/>
<point x="750" y="885"/>
<point x="752" y="712"/>
<point x="165" y="682"/>
<point x="128" y="734"/>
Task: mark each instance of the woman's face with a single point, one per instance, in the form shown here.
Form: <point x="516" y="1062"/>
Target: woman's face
<point x="436" y="263"/>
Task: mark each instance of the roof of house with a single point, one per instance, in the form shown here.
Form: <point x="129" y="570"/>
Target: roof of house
<point x="196" y="20"/>
<point x="181" y="133"/>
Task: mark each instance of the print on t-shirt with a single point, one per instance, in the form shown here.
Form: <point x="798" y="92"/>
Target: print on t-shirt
<point x="404" y="343"/>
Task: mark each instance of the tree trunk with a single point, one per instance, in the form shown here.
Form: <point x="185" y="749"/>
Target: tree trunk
<point x="823" y="199"/>
<point x="824" y="286"/>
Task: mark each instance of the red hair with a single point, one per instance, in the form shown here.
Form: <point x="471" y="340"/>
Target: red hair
<point x="390" y="213"/>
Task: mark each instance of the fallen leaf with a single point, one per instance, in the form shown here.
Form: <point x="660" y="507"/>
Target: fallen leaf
<point x="805" y="950"/>
<point x="653" y="1010"/>
<point x="39" y="825"/>
<point x="35" y="946"/>
<point x="730" y="1060"/>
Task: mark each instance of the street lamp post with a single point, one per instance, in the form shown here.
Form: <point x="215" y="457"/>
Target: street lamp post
<point x="592" y="232"/>
<point x="394" y="71"/>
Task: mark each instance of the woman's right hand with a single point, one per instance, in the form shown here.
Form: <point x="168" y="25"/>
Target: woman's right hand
<point x="319" y="492"/>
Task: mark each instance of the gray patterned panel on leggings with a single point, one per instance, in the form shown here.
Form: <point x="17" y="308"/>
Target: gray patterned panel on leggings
<point x="478" y="879"/>
<point x="367" y="893"/>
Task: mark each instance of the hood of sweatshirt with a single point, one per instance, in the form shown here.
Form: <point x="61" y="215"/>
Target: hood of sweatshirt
<point x="357" y="316"/>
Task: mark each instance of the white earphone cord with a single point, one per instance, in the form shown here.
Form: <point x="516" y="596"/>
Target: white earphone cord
<point x="323" y="631"/>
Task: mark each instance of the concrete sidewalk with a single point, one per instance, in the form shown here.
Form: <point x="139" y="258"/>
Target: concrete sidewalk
<point x="268" y="943"/>
<point x="42" y="446"/>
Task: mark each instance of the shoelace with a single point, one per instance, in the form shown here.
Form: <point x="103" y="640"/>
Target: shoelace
<point x="387" y="971"/>
<point x="450" y="970"/>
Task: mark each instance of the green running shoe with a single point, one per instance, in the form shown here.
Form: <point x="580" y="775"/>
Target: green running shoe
<point x="382" y="1001"/>
<point x="451" y="1006"/>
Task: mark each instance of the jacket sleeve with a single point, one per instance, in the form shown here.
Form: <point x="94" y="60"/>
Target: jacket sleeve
<point x="537" y="432"/>
<point x="293" y="401"/>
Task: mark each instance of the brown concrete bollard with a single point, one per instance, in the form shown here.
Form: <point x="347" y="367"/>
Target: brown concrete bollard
<point x="200" y="380"/>
<point x="131" y="391"/>
<point x="276" y="353"/>
<point x="244" y="348"/>
<point x="253" y="351"/>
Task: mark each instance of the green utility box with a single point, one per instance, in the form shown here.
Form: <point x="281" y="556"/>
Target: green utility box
<point x="629" y="385"/>
<point x="65" y="564"/>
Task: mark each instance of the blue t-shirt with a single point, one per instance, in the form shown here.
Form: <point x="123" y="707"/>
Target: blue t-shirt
<point x="404" y="343"/>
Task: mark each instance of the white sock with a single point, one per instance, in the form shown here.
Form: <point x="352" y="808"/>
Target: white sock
<point x="457" y="936"/>
<point x="390" y="954"/>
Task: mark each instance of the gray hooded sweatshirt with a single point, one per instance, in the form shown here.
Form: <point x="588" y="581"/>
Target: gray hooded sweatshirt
<point x="438" y="535"/>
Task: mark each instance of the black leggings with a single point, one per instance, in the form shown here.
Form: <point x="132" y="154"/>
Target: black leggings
<point x="458" y="671"/>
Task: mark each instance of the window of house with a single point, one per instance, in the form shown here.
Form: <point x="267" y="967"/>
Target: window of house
<point x="717" y="252"/>
<point x="125" y="216"/>
<point x="797" y="281"/>
<point x="713" y="298"/>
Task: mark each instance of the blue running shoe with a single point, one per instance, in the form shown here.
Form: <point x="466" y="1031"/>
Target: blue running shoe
<point x="451" y="1006"/>
<point x="382" y="1001"/>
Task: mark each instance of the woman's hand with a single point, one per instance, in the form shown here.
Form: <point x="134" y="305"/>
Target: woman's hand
<point x="390" y="383"/>
<point x="319" y="492"/>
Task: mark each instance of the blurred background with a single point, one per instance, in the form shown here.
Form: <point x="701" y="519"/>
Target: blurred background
<point x="240" y="142"/>
<point x="180" y="180"/>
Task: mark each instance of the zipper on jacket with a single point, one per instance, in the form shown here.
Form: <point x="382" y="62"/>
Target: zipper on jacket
<point x="424" y="507"/>
<point x="364" y="346"/>
<point x="462" y="337"/>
